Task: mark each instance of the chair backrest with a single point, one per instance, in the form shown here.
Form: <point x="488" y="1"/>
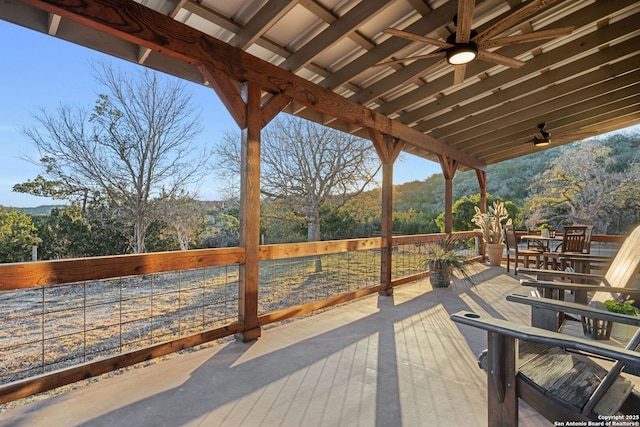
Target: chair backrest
<point x="574" y="238"/>
<point x="625" y="266"/>
<point x="510" y="237"/>
<point x="587" y="240"/>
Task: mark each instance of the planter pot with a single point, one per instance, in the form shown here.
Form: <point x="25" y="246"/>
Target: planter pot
<point x="544" y="232"/>
<point x="596" y="329"/>
<point x="494" y="251"/>
<point x="439" y="274"/>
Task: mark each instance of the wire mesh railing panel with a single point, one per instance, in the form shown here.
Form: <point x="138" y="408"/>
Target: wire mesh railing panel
<point x="407" y="259"/>
<point x="605" y="248"/>
<point x="48" y="328"/>
<point x="294" y="281"/>
<point x="410" y="258"/>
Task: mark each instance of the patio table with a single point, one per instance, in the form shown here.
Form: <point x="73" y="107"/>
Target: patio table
<point x="543" y="243"/>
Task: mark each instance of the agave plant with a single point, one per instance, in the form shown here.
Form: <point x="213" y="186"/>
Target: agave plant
<point x="442" y="258"/>
<point x="492" y="222"/>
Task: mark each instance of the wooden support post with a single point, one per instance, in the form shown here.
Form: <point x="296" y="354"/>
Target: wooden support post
<point x="449" y="167"/>
<point x="388" y="149"/>
<point x="482" y="183"/>
<point x="250" y="213"/>
<point x="501" y="381"/>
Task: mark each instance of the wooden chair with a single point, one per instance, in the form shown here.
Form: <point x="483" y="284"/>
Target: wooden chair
<point x="618" y="280"/>
<point x="587" y="240"/>
<point x="553" y="372"/>
<point x="518" y="254"/>
<point x="573" y="241"/>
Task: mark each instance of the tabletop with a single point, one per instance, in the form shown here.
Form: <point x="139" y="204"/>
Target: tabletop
<point x="543" y="242"/>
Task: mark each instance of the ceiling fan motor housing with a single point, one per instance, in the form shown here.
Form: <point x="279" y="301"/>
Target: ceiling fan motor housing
<point x="462" y="53"/>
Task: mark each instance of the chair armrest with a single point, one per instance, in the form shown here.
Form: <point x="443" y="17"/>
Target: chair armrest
<point x="587" y="257"/>
<point x="529" y="333"/>
<point x="550" y="274"/>
<point x="574" y="308"/>
<point x="568" y="286"/>
<point x="578" y="287"/>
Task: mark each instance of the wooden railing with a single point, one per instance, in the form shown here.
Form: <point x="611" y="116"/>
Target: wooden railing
<point x="67" y="320"/>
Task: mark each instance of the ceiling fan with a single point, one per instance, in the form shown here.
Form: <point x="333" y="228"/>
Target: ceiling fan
<point x="542" y="138"/>
<point x="465" y="44"/>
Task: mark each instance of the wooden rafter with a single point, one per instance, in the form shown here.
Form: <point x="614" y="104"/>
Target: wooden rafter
<point x="135" y="23"/>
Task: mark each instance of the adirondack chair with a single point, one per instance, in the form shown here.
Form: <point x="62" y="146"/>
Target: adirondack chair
<point x="620" y="278"/>
<point x="552" y="372"/>
<point x="532" y="363"/>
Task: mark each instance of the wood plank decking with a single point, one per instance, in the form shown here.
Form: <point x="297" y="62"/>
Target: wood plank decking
<point x="380" y="361"/>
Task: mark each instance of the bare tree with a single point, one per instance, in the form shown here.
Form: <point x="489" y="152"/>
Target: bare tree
<point x="134" y="149"/>
<point x="186" y="217"/>
<point x="305" y="165"/>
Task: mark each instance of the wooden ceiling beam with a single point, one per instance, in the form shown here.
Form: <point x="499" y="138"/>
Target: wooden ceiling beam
<point x="518" y="150"/>
<point x="587" y="117"/>
<point x="417" y="68"/>
<point x="562" y="96"/>
<point x="138" y="24"/>
<point x="340" y="29"/>
<point x="505" y="105"/>
<point x="532" y="67"/>
<point x="329" y="17"/>
<point x="270" y="13"/>
<point x="567" y="120"/>
<point x="389" y="47"/>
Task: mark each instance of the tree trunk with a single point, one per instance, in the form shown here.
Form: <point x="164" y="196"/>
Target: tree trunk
<point x="313" y="235"/>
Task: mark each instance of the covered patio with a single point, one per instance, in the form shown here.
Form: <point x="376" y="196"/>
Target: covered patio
<point x="379" y="361"/>
<point x="391" y="357"/>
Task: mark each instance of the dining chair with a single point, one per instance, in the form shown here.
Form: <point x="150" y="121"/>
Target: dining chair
<point x="513" y="250"/>
<point x="573" y="242"/>
<point x="587" y="240"/>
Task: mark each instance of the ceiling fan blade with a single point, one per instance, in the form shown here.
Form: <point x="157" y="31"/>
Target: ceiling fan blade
<point x="417" y="38"/>
<point x="529" y="37"/>
<point x="494" y="58"/>
<point x="514" y="17"/>
<point x="458" y="73"/>
<point x="412" y="58"/>
<point x="465" y="18"/>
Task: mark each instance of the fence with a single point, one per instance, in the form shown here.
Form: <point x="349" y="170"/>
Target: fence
<point x="66" y="320"/>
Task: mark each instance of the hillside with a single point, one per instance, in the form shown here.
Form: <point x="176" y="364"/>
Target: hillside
<point x="509" y="179"/>
<point x="38" y="210"/>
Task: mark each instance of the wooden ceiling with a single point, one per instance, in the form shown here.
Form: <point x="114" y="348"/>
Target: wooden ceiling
<point x="317" y="59"/>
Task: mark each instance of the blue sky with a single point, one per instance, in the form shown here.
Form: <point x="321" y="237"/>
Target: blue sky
<point x="42" y="71"/>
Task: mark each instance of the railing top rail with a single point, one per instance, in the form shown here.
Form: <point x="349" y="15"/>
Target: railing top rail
<point x="33" y="274"/>
<point x="436" y="237"/>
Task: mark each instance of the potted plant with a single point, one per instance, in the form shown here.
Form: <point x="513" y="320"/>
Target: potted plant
<point x="623" y="306"/>
<point x="442" y="259"/>
<point x="544" y="230"/>
<point x="491" y="224"/>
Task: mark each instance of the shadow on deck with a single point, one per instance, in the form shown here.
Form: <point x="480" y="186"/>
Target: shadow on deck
<point x="379" y="361"/>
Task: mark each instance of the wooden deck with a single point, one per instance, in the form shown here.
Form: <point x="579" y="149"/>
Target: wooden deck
<point x="379" y="361"/>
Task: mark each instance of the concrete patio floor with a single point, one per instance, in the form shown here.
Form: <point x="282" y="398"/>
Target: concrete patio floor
<point x="379" y="361"/>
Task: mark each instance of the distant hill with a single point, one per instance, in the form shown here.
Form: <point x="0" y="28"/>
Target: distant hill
<point x="38" y="210"/>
